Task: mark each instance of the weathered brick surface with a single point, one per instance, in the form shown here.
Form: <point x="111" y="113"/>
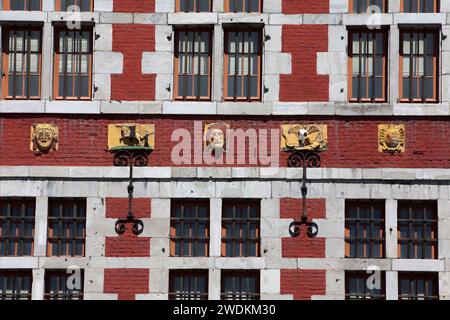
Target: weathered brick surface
<point x="132" y="6"/>
<point x="303" y="284"/>
<point x="305" y="6"/>
<point x="118" y="207"/>
<point x="126" y="282"/>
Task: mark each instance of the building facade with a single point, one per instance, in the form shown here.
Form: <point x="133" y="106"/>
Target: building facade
<point x="363" y="84"/>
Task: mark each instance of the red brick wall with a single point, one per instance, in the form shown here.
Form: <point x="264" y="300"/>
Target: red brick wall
<point x="302" y="246"/>
<point x="126" y="282"/>
<point x="304" y="84"/>
<point x="303" y="283"/>
<point x="118" y="207"/>
<point x="134" y="6"/>
<point x="305" y="6"/>
<point x="132" y="40"/>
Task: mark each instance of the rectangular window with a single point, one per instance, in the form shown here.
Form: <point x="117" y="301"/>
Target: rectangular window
<point x="241" y="228"/>
<point x="243" y="6"/>
<point x="419" y="6"/>
<point x="188" y="285"/>
<point x="242" y="65"/>
<point x="73" y="64"/>
<point x="359" y="286"/>
<point x="240" y="285"/>
<point x="15" y="284"/>
<point x="189" y="228"/>
<point x="21" y="63"/>
<point x="66" y="227"/>
<point x="418" y="286"/>
<point x="193" y="6"/>
<point x="368" y="65"/>
<point x="27" y="5"/>
<point x="368" y="6"/>
<point x="16" y="227"/>
<point x="419" y="50"/>
<point x="417" y="230"/>
<point x="83" y="5"/>
<point x="193" y="64"/>
<point x="64" y="285"/>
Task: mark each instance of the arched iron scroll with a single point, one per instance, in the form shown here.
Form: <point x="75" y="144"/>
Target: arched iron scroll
<point x="304" y="159"/>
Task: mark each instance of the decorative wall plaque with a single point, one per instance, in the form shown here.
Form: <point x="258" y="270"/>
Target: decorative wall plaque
<point x="44" y="138"/>
<point x="391" y="138"/>
<point x="131" y="135"/>
<point x="214" y="137"/>
<point x="304" y="137"/>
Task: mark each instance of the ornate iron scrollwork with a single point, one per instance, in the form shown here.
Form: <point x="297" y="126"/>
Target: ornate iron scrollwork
<point x="307" y="159"/>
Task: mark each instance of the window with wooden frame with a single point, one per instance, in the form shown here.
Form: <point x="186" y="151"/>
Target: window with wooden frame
<point x="358" y="286"/>
<point x="63" y="285"/>
<point x="193" y="5"/>
<point x="367" y="63"/>
<point x="83" y="5"/>
<point x="66" y="227"/>
<point x="418" y="286"/>
<point x="417" y="230"/>
<point x="243" y="5"/>
<point x="242" y="64"/>
<point x="368" y="6"/>
<point x="21" y="74"/>
<point x="188" y="285"/>
<point x="419" y="6"/>
<point x="419" y="52"/>
<point x="364" y="229"/>
<point x="192" y="74"/>
<point x="15" y="284"/>
<point x="73" y="64"/>
<point x="189" y="228"/>
<point x="26" y="5"/>
<point x="240" y="285"/>
<point x="241" y="228"/>
<point x="17" y="219"/>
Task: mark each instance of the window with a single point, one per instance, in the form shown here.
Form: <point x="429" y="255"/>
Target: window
<point x="64" y="285"/>
<point x="418" y="286"/>
<point x="368" y="6"/>
<point x="364" y="229"/>
<point x="66" y="227"/>
<point x="188" y="285"/>
<point x="189" y="228"/>
<point x="21" y="63"/>
<point x="193" y="64"/>
<point x="418" y="65"/>
<point x="65" y="5"/>
<point x="73" y="64"/>
<point x="368" y="65"/>
<point x="28" y="5"/>
<point x="242" y="76"/>
<point x="419" y="6"/>
<point x="240" y="228"/>
<point x="15" y="285"/>
<point x="417" y="230"/>
<point x="240" y="285"/>
<point x="359" y="285"/>
<point x="243" y="5"/>
<point x="16" y="227"/>
<point x="193" y="5"/>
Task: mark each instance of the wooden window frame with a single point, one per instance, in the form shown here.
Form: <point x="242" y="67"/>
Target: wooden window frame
<point x="350" y="55"/>
<point x="227" y="6"/>
<point x="248" y="98"/>
<point x="366" y="293"/>
<point x="240" y="275"/>
<point x="436" y="6"/>
<point x="415" y="242"/>
<point x="68" y="241"/>
<point x="7" y="5"/>
<point x="61" y="281"/>
<point x="6" y="58"/>
<point x="19" y="239"/>
<point x="435" y="98"/>
<point x="58" y="5"/>
<point x="190" y="223"/>
<point x="413" y="277"/>
<point x="177" y="62"/>
<point x="352" y="8"/>
<point x="367" y="225"/>
<point x="196" y="6"/>
<point x="192" y="276"/>
<point x="18" y="284"/>
<point x="56" y="58"/>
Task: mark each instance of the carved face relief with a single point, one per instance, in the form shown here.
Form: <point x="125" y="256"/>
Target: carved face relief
<point x="304" y="137"/>
<point x="215" y="136"/>
<point x="44" y="138"/>
<point x="391" y="138"/>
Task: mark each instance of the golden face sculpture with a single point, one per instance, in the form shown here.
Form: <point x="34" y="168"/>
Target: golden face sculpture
<point x="215" y="136"/>
<point x="44" y="138"/>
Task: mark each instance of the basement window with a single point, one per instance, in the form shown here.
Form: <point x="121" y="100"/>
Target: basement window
<point x="188" y="285"/>
<point x="418" y="286"/>
<point x="247" y="6"/>
<point x="419" y="6"/>
<point x="15" y="284"/>
<point x="240" y="285"/>
<point x="67" y="5"/>
<point x="193" y="5"/>
<point x="368" y="6"/>
<point x="359" y="285"/>
<point x="26" y="5"/>
<point x="64" y="285"/>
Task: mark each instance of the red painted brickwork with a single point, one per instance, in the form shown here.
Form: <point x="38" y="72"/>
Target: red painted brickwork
<point x="304" y="84"/>
<point x="303" y="283"/>
<point x="132" y="40"/>
<point x="302" y="246"/>
<point x="138" y="6"/>
<point x="305" y="6"/>
<point x="118" y="207"/>
<point x="126" y="282"/>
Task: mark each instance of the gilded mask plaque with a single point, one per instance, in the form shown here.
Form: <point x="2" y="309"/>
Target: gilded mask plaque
<point x="391" y="138"/>
<point x="214" y="137"/>
<point x="44" y="138"/>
